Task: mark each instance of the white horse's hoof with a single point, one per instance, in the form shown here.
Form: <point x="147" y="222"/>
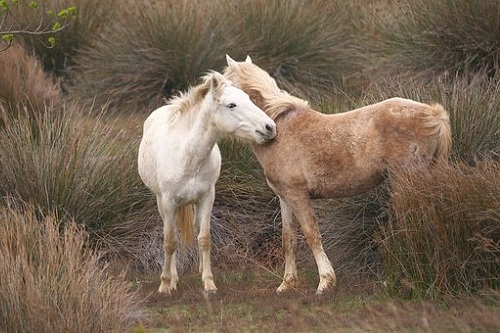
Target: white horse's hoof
<point x="166" y="289"/>
<point x="210" y="294"/>
<point x="284" y="287"/>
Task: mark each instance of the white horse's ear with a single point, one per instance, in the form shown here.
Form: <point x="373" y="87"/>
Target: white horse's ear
<point x="230" y="61"/>
<point x="217" y="81"/>
<point x="248" y="59"/>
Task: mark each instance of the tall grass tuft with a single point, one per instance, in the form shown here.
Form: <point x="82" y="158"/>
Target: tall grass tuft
<point x="305" y="47"/>
<point x="74" y="165"/>
<point x="438" y="36"/>
<point x="169" y="46"/>
<point x="51" y="282"/>
<point x="133" y="66"/>
<point x="443" y="236"/>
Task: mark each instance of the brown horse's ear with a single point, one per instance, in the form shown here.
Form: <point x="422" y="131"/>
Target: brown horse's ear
<point x="248" y="59"/>
<point x="230" y="61"/>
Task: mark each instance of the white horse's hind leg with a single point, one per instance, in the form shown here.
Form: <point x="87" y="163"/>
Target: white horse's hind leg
<point x="169" y="275"/>
<point x="289" y="241"/>
<point x="305" y="215"/>
<point x="203" y="215"/>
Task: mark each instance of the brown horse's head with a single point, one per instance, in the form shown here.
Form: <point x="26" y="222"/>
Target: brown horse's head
<point x="256" y="82"/>
<point x="261" y="87"/>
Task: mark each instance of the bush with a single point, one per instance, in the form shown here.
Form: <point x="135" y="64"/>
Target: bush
<point x="443" y="235"/>
<point x="51" y="282"/>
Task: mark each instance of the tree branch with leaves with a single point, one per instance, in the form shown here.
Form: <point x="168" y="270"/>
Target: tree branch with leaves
<point x="42" y="21"/>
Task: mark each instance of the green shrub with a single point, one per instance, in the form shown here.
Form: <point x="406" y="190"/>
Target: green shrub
<point x="443" y="236"/>
<point x="51" y="282"/>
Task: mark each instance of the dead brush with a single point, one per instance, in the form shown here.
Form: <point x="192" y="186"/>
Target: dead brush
<point x="443" y="235"/>
<point x="51" y="282"/>
<point x="24" y="84"/>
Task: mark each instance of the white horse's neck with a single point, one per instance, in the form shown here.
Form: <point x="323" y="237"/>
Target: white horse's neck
<point x="202" y="136"/>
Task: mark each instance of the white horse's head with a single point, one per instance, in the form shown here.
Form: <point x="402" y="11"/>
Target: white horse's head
<point x="237" y="115"/>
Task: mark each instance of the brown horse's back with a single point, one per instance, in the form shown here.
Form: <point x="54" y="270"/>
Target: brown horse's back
<point x="412" y="132"/>
<point x="346" y="154"/>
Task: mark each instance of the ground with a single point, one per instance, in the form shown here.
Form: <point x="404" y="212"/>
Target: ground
<point x="247" y="302"/>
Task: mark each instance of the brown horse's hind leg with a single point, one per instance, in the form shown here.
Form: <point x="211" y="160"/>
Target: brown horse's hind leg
<point x="289" y="241"/>
<point x="305" y="215"/>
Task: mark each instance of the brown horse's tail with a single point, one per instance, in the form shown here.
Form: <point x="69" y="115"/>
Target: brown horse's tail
<point x="185" y="224"/>
<point x="443" y="132"/>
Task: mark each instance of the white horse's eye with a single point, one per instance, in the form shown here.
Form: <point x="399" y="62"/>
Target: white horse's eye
<point x="231" y="105"/>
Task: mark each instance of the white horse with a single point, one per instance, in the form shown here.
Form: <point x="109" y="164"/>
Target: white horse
<point x="179" y="161"/>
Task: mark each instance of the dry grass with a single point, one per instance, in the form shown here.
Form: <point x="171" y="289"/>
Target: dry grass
<point x="84" y="167"/>
<point x="24" y="84"/>
<point x="51" y="282"/>
<point x="443" y="235"/>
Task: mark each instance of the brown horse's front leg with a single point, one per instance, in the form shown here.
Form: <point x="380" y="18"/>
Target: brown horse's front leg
<point x="289" y="243"/>
<point x="305" y="215"/>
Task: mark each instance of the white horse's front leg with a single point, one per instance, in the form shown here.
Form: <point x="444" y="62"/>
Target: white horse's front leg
<point x="305" y="215"/>
<point x="169" y="275"/>
<point x="289" y="243"/>
<point x="203" y="216"/>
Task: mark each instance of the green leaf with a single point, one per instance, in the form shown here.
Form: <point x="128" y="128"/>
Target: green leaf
<point x="72" y="11"/>
<point x="52" y="41"/>
<point x="8" y="38"/>
<point x="4" y="6"/>
<point x="33" y="4"/>
<point x="56" y="26"/>
<point x="63" y="13"/>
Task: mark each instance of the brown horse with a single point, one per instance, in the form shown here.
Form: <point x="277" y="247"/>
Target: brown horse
<point x="315" y="155"/>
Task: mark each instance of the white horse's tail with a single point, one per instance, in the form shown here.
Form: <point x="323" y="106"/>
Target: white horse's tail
<point x="185" y="224"/>
<point x="443" y="149"/>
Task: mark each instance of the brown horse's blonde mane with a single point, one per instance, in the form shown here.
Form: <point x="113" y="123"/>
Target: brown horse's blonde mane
<point x="283" y="103"/>
<point x="263" y="89"/>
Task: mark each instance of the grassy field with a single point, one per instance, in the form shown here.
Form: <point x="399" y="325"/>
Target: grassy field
<point x="81" y="238"/>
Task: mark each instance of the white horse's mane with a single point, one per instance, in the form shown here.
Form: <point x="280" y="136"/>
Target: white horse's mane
<point x="187" y="100"/>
